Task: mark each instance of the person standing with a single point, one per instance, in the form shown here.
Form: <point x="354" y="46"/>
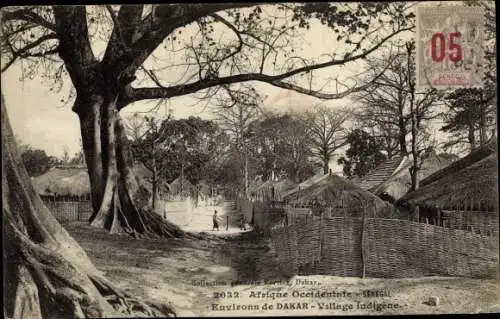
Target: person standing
<point x="215" y="220"/>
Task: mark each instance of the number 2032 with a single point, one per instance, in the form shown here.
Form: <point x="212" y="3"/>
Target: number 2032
<point x="438" y="47"/>
<point x="228" y="294"/>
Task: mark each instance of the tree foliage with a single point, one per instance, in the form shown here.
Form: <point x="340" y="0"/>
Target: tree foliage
<point x="470" y="116"/>
<point x="37" y="162"/>
<point x="365" y="152"/>
<point x="282" y="147"/>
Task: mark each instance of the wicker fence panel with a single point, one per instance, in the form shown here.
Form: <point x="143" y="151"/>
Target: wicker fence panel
<point x="308" y="245"/>
<point x="84" y="210"/>
<point x="390" y="248"/>
<point x="70" y="211"/>
<point x="341" y="254"/>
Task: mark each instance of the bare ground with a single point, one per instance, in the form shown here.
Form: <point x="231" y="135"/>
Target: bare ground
<point x="183" y="272"/>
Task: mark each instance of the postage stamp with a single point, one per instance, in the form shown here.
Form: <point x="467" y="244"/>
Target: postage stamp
<point x="450" y="52"/>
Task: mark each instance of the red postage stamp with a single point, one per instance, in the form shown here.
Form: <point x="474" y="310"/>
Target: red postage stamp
<point x="450" y="47"/>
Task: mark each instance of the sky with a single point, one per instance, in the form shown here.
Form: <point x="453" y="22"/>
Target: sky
<point x="39" y="118"/>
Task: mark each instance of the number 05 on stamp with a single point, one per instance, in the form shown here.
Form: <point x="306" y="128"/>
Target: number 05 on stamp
<point x="450" y="51"/>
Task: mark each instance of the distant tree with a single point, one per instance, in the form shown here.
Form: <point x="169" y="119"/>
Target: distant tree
<point x="218" y="146"/>
<point x="190" y="146"/>
<point x="236" y="115"/>
<point x="282" y="146"/>
<point x="268" y="145"/>
<point x="65" y="156"/>
<point x="365" y="152"/>
<point x="171" y="148"/>
<point x="392" y="104"/>
<point x="470" y="116"/>
<point x="37" y="162"/>
<point x="145" y="146"/>
<point x="471" y="113"/>
<point x="327" y="131"/>
<point x="77" y="159"/>
<point x="378" y="127"/>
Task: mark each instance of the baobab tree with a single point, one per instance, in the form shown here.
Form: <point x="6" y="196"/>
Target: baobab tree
<point x="260" y="49"/>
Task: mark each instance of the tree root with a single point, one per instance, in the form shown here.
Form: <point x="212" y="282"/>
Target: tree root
<point x="126" y="304"/>
<point x="35" y="299"/>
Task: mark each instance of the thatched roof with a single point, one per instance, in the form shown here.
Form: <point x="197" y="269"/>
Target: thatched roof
<point x="399" y="183"/>
<point x="337" y="191"/>
<point x="145" y="178"/>
<point x="267" y="189"/>
<point x="73" y="180"/>
<point x="473" y="186"/>
<point x="63" y="181"/>
<point x="475" y="156"/>
<point x="305" y="184"/>
<point x="181" y="183"/>
<point x="381" y="173"/>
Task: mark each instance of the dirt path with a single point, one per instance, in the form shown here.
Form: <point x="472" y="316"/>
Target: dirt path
<point x="191" y="274"/>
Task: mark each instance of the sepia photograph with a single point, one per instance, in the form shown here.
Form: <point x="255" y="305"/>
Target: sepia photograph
<point x="249" y="159"/>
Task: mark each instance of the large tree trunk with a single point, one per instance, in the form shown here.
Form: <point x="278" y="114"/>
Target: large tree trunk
<point x="326" y="162"/>
<point x="47" y="274"/>
<point x="119" y="202"/>
<point x="415" y="167"/>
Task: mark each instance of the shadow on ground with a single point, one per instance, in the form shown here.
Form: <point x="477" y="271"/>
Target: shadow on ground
<point x="249" y="254"/>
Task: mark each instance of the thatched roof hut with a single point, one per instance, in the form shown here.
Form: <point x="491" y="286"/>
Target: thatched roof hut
<point x="399" y="183"/>
<point x="305" y="184"/>
<point x="473" y="157"/>
<point x="182" y="186"/>
<point x="468" y="185"/>
<point x="271" y="190"/>
<point x="337" y="192"/>
<point x="145" y="178"/>
<point x="71" y="181"/>
<point x="381" y="173"/>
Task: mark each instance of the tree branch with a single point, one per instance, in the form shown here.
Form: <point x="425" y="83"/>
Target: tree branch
<point x="23" y="52"/>
<point x="233" y="28"/>
<point x="162" y="21"/>
<point x="27" y="14"/>
<point x="125" y="27"/>
<point x="74" y="43"/>
<point x="137" y="94"/>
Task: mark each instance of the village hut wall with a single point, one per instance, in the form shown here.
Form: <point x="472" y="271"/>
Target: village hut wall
<point x="65" y="190"/>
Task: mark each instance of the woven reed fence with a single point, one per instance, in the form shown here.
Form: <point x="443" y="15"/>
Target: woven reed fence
<point x="373" y="247"/>
<point x="70" y="211"/>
